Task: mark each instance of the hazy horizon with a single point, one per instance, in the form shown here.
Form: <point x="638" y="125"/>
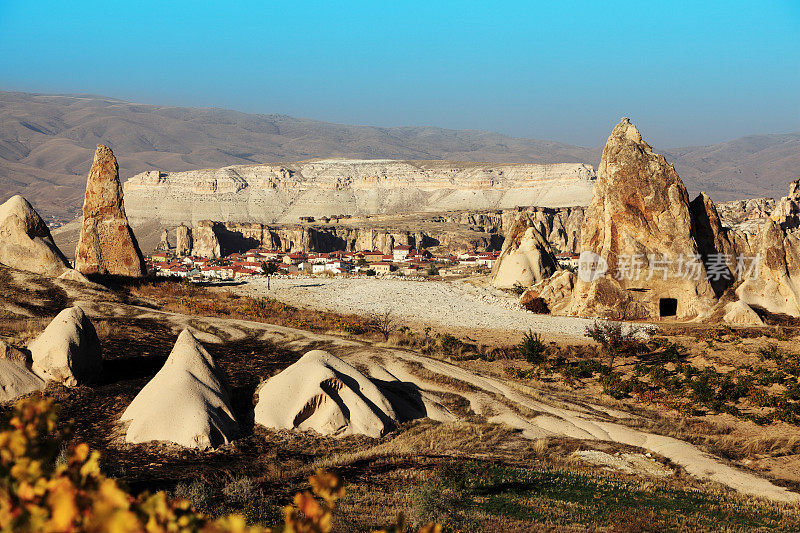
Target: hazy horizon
<point x="687" y="75"/>
<point x="597" y="146"/>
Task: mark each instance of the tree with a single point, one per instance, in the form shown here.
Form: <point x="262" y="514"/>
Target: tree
<point x="268" y="269"/>
<point x="616" y="339"/>
<point x="383" y="322"/>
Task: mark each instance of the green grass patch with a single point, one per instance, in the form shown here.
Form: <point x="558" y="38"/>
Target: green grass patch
<point x="472" y="496"/>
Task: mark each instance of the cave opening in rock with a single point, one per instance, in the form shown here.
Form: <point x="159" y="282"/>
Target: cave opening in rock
<point x="668" y="307"/>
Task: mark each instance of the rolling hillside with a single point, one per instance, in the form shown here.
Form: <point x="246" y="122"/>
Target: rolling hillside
<point x="47" y="141"/>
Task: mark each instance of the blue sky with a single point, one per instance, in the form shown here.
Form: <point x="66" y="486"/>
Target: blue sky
<point x="685" y="72"/>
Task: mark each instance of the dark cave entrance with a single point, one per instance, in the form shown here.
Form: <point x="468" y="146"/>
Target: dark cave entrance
<point x="668" y="307"/>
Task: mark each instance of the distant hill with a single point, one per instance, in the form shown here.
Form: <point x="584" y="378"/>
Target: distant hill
<point x="47" y="142"/>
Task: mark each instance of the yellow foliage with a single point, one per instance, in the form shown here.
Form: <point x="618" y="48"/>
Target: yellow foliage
<point x="36" y="494"/>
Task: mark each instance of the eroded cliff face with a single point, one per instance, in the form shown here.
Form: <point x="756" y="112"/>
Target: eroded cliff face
<point x="216" y="239"/>
<point x="284" y="193"/>
<point x="454" y="232"/>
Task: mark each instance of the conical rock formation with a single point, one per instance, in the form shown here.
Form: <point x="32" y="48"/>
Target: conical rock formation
<point x="16" y="380"/>
<point x="526" y="258"/>
<point x="186" y="402"/>
<point x="25" y="240"/>
<point x="107" y="244"/>
<point x="163" y="244"/>
<point x="637" y="222"/>
<point x="321" y="392"/>
<point x="68" y="350"/>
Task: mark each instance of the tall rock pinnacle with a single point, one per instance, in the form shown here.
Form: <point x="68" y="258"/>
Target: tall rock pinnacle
<point x="107" y="244"/>
<point x="640" y="225"/>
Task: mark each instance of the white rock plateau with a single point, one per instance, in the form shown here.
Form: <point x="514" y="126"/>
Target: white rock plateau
<point x="282" y="193"/>
<point x="68" y="350"/>
<point x="321" y="392"/>
<point x="185" y="403"/>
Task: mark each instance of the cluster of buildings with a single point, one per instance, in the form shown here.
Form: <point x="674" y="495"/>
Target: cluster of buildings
<point x="404" y="260"/>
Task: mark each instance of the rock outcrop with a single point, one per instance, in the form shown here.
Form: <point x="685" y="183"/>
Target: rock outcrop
<point x="787" y="211"/>
<point x="526" y="258"/>
<point x="186" y="402"/>
<point x="183" y="240"/>
<point x="321" y="392"/>
<point x="16" y="380"/>
<point x="555" y="291"/>
<point x="205" y="240"/>
<point x="25" y="240"/>
<point x="163" y="244"/>
<point x="740" y="314"/>
<point x="68" y="350"/>
<point x="322" y="188"/>
<point x="775" y="285"/>
<point x="638" y="223"/>
<point x="107" y="244"/>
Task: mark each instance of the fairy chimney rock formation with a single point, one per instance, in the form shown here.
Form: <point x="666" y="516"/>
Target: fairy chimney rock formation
<point x="638" y="223"/>
<point x="206" y="242"/>
<point x="526" y="258"/>
<point x="107" y="244"/>
<point x="163" y="244"/>
<point x="25" y="240"/>
<point x="183" y="240"/>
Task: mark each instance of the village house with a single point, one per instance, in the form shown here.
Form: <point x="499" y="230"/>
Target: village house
<point x="383" y="267"/>
<point x="294" y="259"/>
<point x="372" y="256"/>
<point x="399" y="253"/>
<point x="487" y="259"/>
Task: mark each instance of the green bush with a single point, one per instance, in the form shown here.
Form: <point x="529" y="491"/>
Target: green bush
<point x="532" y="349"/>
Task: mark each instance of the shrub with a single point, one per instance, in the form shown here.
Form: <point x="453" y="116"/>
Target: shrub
<point x="241" y="489"/>
<point x="195" y="492"/>
<point x="449" y="343"/>
<point x="771" y="352"/>
<point x="615" y="338"/>
<point x="536" y="305"/>
<point x="532" y="349"/>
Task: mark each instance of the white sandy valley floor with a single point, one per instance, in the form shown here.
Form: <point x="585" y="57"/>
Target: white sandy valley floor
<point x="450" y="304"/>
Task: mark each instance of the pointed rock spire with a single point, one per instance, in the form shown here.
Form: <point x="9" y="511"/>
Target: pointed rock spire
<point x="107" y="244"/>
<point x="639" y="215"/>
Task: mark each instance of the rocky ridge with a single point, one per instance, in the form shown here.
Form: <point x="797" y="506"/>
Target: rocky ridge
<point x="320" y="188"/>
